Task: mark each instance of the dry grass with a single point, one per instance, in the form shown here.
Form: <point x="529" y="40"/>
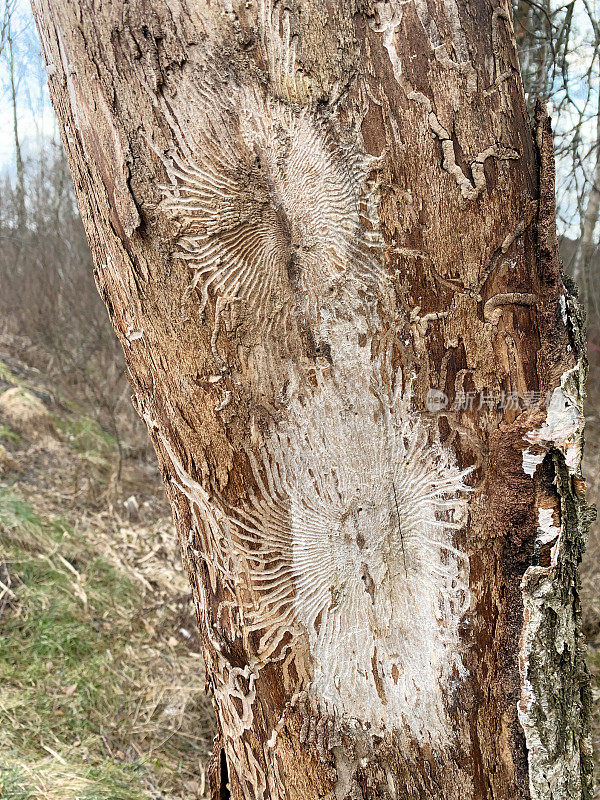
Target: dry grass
<point x="25" y="413"/>
<point x="102" y="683"/>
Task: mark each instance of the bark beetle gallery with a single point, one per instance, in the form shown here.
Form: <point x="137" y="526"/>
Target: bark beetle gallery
<point x="305" y="218"/>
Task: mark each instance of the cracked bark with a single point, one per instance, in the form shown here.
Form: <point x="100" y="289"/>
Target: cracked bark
<point x="308" y="222"/>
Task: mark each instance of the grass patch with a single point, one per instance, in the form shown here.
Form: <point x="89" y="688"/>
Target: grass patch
<point x="593" y="662"/>
<point x="57" y="666"/>
<point x="12" y="784"/>
<point x="20" y="526"/>
<point x="8" y="376"/>
<point x="76" y="670"/>
<point x="8" y="435"/>
<point x="19" y="782"/>
<point x="86" y="436"/>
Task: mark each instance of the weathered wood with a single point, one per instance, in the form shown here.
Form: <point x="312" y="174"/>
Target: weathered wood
<point x="325" y="236"/>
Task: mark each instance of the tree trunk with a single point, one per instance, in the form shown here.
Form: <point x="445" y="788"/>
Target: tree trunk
<point x="325" y="236"/>
<point x="587" y="246"/>
<point x="20" y="184"/>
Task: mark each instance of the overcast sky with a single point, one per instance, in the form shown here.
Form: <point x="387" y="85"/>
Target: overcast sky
<point x="36" y="119"/>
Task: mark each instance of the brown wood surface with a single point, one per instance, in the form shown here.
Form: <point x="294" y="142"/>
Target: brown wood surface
<point x="305" y="217"/>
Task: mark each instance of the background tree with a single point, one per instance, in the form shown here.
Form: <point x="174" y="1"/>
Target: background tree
<point x="568" y="34"/>
<point x="48" y="301"/>
<point x="326" y="239"/>
<point x="559" y="48"/>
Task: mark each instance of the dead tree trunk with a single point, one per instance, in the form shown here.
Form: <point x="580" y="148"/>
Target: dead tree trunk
<point x="20" y="183"/>
<point x="587" y="247"/>
<point x="325" y="236"/>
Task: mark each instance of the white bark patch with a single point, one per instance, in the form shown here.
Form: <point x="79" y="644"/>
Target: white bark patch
<point x="550" y="776"/>
<point x="563" y="309"/>
<point x="531" y="461"/>
<point x="355" y="525"/>
<point x="547" y="530"/>
<point x="563" y="426"/>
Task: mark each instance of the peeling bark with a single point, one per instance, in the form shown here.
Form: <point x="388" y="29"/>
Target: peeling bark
<point x="325" y="236"/>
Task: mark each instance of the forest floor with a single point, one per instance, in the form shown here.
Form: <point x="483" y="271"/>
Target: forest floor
<point x="101" y="678"/>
